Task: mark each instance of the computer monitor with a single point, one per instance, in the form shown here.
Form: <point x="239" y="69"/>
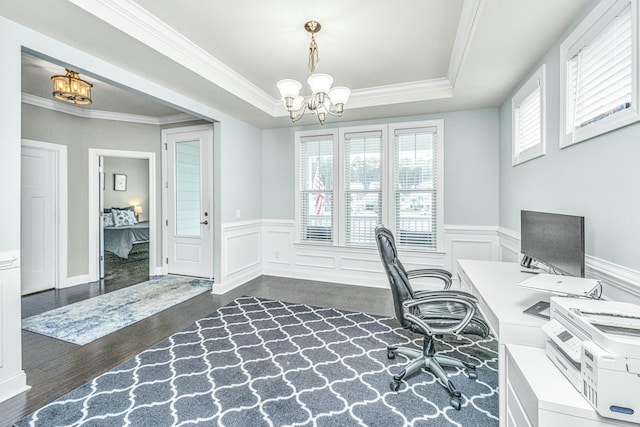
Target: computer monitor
<point x="554" y="239"/>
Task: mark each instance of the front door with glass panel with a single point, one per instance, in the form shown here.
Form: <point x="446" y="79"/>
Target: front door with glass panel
<point x="189" y="223"/>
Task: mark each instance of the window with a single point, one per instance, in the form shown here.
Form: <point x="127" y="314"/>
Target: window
<point x="599" y="73"/>
<point x="528" y="114"/>
<point x="362" y="185"/>
<point x="315" y="201"/>
<point x="387" y="174"/>
<point x="418" y="183"/>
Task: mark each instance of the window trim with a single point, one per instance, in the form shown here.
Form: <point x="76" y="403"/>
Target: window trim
<point x="440" y="196"/>
<point x="537" y="80"/>
<point x="583" y="34"/>
<point x="299" y="136"/>
<point x="342" y="207"/>
<point x="387" y="183"/>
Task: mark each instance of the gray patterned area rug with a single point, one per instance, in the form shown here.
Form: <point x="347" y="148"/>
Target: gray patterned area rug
<point x="259" y="362"/>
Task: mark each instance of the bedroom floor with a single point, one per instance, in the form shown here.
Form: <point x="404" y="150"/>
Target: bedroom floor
<point x="136" y="266"/>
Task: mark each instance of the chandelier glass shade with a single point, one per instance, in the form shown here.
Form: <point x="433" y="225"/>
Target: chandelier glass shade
<point x="324" y="99"/>
<point x="71" y="88"/>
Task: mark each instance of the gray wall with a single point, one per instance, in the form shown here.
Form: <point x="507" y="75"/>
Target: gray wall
<point x="471" y="166"/>
<point x="598" y="178"/>
<point x="80" y="134"/>
<point x="137" y="192"/>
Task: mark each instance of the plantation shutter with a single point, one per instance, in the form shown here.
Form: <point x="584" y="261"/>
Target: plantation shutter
<point x="529" y="122"/>
<point x="600" y="73"/>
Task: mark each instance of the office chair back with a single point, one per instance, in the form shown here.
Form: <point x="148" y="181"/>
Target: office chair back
<point x="396" y="273"/>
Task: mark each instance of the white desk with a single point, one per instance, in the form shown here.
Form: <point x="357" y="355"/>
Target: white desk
<point x="533" y="392"/>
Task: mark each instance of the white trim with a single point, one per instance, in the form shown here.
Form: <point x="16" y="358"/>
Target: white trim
<point x="94" y="214"/>
<point x="61" y="206"/>
<point x="537" y="81"/>
<point x="469" y="18"/>
<point x="137" y="22"/>
<point x="583" y="33"/>
<point x="164" y="269"/>
<point x="86" y="113"/>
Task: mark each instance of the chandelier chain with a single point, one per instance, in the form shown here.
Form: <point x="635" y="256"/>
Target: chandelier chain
<point x="314" y="58"/>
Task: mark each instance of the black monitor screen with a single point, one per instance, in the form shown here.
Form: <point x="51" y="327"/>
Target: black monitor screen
<point x="554" y="239"/>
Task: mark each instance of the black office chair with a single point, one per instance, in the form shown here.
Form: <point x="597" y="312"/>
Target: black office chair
<point x="430" y="313"/>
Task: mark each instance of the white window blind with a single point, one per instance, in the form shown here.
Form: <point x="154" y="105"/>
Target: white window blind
<point x="316" y="189"/>
<point x="416" y="186"/>
<point x="600" y="73"/>
<point x="529" y="119"/>
<point x="362" y="186"/>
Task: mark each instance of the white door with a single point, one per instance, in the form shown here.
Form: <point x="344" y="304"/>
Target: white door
<point x="38" y="219"/>
<point x="189" y="223"/>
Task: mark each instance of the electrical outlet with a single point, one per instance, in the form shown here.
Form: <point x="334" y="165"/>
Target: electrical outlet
<point x="237" y="213"/>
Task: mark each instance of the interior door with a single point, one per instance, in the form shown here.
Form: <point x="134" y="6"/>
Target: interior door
<point x="101" y="184"/>
<point x="38" y="219"/>
<point x="189" y="223"/>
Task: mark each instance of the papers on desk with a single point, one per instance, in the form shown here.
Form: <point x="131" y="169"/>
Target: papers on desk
<point x="562" y="285"/>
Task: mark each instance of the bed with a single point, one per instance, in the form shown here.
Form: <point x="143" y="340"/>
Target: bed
<point x="120" y="240"/>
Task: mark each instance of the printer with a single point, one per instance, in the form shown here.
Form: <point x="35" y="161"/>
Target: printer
<point x="596" y="344"/>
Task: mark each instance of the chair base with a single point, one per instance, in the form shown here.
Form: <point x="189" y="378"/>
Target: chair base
<point x="435" y="364"/>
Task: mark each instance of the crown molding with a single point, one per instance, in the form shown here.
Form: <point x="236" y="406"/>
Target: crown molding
<point x="137" y="22"/>
<point x="469" y="17"/>
<point x="86" y="113"/>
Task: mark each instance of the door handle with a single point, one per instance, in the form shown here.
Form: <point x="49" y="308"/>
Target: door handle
<point x="205" y="222"/>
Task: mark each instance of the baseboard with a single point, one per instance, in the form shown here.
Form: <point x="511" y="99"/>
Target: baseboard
<point x="12" y="386"/>
<point x="75" y="280"/>
<point x="238" y="279"/>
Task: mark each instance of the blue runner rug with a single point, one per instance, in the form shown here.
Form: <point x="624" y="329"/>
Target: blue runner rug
<point x="93" y="318"/>
<point x="259" y="362"/>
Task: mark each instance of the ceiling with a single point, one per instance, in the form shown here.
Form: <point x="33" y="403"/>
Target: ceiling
<point x="401" y="58"/>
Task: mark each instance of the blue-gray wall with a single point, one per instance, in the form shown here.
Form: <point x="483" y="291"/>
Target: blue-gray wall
<point x="598" y="179"/>
<point x="471" y="166"/>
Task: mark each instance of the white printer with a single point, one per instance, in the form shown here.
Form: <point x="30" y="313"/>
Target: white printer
<point x="596" y="344"/>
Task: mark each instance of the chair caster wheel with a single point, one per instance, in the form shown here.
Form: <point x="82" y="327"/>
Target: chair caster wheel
<point x="391" y="354"/>
<point x="455" y="403"/>
<point x="394" y="385"/>
<point x="473" y="375"/>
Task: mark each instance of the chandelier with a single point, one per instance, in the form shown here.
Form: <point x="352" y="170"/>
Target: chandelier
<point x="71" y="88"/>
<point x="324" y="99"/>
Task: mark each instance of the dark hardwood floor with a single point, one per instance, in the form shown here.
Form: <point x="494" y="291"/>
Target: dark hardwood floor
<point x="55" y="367"/>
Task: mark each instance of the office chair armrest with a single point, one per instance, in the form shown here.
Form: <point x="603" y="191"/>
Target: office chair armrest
<point x="436" y="273"/>
<point x="454" y="292"/>
<point x="439" y="297"/>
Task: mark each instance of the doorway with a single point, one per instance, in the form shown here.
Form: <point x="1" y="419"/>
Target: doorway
<point x="125" y="212"/>
<point x="188" y="169"/>
<point x="127" y="196"/>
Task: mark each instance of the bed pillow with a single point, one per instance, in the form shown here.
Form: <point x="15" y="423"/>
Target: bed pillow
<point x="123" y="218"/>
<point x="107" y="219"/>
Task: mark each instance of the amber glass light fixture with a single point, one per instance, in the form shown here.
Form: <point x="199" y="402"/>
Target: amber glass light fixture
<point x="71" y="88"/>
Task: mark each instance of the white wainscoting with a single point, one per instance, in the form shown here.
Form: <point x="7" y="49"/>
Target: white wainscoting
<point x="361" y="266"/>
<point x="618" y="283"/>
<point x="241" y="256"/>
<point x="252" y="248"/>
<point x="12" y="378"/>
